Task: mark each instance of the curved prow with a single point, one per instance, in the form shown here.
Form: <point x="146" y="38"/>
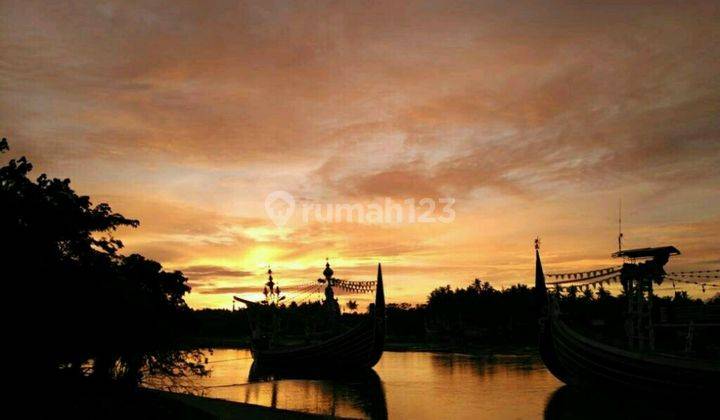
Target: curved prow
<point x="249" y="303"/>
<point x="540" y="288"/>
<point x="545" y="321"/>
<point x="379" y="295"/>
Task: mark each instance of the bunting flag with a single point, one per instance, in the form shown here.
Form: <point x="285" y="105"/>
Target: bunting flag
<point x="585" y="275"/>
<point x="613" y="275"/>
<point x="600" y="275"/>
<point x="355" y="286"/>
<point x="680" y="273"/>
<point x="703" y="285"/>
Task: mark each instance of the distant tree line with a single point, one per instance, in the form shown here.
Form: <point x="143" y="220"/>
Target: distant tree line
<point x="478" y="315"/>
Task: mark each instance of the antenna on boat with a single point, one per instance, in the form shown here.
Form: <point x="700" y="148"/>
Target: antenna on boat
<point x="620" y="234"/>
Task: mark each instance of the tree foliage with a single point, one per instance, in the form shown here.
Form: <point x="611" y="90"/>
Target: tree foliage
<point x="76" y="297"/>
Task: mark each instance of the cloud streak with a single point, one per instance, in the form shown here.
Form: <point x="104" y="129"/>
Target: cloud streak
<point x="535" y="117"/>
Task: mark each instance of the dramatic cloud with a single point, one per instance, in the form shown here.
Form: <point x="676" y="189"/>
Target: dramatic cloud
<point x="211" y="271"/>
<point x="536" y="117"/>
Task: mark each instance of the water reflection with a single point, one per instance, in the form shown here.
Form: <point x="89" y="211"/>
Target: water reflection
<point x="402" y="385"/>
<point x="345" y="392"/>
<point x="429" y="386"/>
<point x="432" y="385"/>
<point x="570" y="403"/>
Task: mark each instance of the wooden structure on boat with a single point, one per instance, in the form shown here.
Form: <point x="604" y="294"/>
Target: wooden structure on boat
<point x="360" y="347"/>
<point x="582" y="361"/>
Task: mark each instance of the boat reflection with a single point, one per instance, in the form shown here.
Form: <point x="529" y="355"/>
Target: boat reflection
<point x="572" y="403"/>
<point x="351" y="394"/>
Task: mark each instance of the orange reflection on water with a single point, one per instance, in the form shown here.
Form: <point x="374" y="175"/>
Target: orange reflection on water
<point x="407" y="385"/>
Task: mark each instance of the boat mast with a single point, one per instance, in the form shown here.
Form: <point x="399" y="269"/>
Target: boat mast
<point x="331" y="304"/>
<point x="272" y="290"/>
<point x="620" y="234"/>
<point x="642" y="268"/>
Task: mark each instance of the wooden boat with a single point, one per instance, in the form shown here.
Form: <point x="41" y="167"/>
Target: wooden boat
<point x="358" y="348"/>
<point x="580" y="361"/>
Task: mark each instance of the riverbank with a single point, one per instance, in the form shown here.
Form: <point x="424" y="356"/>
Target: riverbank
<point x="219" y="409"/>
<point x="86" y="401"/>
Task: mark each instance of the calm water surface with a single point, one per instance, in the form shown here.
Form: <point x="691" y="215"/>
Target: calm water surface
<point x="407" y="385"/>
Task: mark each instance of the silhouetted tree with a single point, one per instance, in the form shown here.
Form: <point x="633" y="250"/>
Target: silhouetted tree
<point x="74" y="297"/>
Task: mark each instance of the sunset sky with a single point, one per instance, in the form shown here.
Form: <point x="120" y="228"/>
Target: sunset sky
<point x="535" y="117"/>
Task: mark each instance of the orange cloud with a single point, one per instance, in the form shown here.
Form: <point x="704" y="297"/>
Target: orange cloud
<point x="535" y="117"/>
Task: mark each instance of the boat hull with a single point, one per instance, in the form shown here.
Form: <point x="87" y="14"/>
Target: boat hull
<point x="580" y="361"/>
<point x="358" y="348"/>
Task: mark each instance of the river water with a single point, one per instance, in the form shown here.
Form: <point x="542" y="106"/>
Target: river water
<point x="421" y="385"/>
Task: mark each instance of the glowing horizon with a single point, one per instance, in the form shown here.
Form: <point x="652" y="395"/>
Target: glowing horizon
<point x="535" y="118"/>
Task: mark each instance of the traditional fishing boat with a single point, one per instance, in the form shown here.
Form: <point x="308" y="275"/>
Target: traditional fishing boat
<point x="581" y="361"/>
<point x="359" y="347"/>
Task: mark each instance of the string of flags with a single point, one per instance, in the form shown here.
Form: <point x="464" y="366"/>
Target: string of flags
<point x="698" y="276"/>
<point x="681" y="273"/>
<point x="616" y="278"/>
<point x="355" y="286"/>
<point x="612" y="275"/>
<point x="587" y="286"/>
<point x="697" y="283"/>
<point x="585" y="275"/>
